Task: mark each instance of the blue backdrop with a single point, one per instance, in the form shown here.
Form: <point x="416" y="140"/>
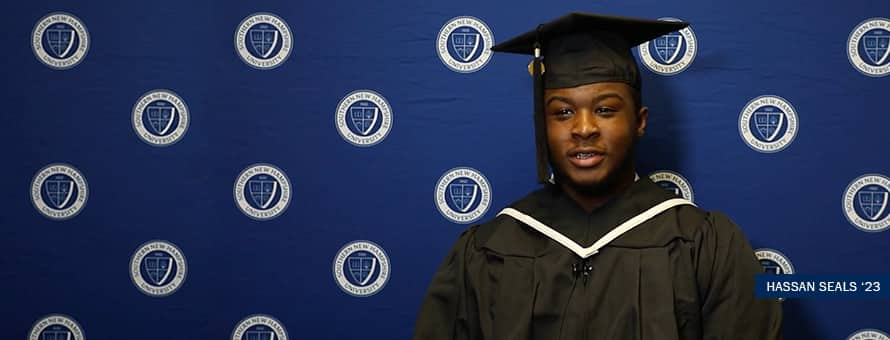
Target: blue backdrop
<point x="173" y="168"/>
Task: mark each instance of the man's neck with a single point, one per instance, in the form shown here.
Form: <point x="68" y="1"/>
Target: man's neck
<point x="590" y="201"/>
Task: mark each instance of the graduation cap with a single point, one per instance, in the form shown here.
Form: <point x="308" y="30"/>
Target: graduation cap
<point x="579" y="49"/>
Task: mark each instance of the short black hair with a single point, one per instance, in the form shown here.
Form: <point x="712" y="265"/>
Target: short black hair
<point x="636" y="96"/>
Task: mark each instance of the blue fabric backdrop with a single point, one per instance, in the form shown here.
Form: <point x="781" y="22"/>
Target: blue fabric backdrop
<point x="69" y="239"/>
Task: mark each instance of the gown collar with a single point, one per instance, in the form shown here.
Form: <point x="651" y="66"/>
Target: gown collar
<point x="552" y="207"/>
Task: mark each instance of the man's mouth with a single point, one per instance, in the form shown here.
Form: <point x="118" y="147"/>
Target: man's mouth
<point x="586" y="158"/>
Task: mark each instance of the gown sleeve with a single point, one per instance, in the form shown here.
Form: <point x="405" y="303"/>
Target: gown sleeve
<point x="448" y="311"/>
<point x="726" y="269"/>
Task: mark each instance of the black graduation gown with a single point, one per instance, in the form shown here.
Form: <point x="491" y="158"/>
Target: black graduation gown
<point x="684" y="274"/>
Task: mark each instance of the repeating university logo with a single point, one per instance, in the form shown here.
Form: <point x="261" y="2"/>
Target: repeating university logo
<point x="60" y="40"/>
<point x="56" y="327"/>
<point x="868" y="334"/>
<point x="259" y="327"/>
<point x="263" y="40"/>
<point x="158" y="268"/>
<point x="866" y="202"/>
<point x="673" y="182"/>
<point x="464" y="44"/>
<point x="262" y="191"/>
<point x="768" y="124"/>
<point x="363" y="118"/>
<point x="868" y="47"/>
<point x="160" y="118"/>
<point x="671" y="53"/>
<point x="361" y="268"/>
<point x="774" y="262"/>
<point x="59" y="191"/>
<point x="463" y="195"/>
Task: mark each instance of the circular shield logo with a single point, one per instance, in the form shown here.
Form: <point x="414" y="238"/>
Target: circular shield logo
<point x="262" y="191"/>
<point x="868" y="334"/>
<point x="868" y="47"/>
<point x="865" y="203"/>
<point x="671" y="53"/>
<point x="56" y="326"/>
<point x="463" y="195"/>
<point x="768" y="124"/>
<point x="59" y="191"/>
<point x="158" y="268"/>
<point x="60" y="40"/>
<point x="263" y="41"/>
<point x="361" y="268"/>
<point x="160" y="118"/>
<point x="363" y="118"/>
<point x="673" y="182"/>
<point x="774" y="262"/>
<point x="259" y="327"/>
<point x="464" y="44"/>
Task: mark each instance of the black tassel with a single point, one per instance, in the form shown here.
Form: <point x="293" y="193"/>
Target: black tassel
<point x="542" y="155"/>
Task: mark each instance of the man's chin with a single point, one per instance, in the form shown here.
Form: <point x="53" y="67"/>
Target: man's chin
<point x="586" y="184"/>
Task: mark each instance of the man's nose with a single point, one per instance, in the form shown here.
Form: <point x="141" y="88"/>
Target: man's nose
<point x="586" y="125"/>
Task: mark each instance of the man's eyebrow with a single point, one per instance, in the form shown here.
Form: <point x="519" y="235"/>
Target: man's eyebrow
<point x="562" y="99"/>
<point x="606" y="95"/>
<point x="596" y="99"/>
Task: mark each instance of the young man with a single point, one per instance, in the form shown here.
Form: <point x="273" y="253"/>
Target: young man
<point x="601" y="253"/>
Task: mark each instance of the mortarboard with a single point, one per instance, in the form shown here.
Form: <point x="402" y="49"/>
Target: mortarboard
<point x="578" y="49"/>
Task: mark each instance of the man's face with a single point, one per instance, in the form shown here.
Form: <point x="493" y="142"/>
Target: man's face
<point x="591" y="131"/>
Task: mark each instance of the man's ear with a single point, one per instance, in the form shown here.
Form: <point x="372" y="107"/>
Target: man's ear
<point x="642" y="116"/>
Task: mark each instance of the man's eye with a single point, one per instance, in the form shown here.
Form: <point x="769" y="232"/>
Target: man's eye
<point x="563" y="112"/>
<point x="605" y="110"/>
